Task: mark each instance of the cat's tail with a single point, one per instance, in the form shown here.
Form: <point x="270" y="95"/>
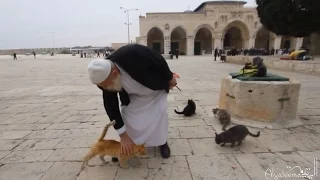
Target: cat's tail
<point x="254" y="135"/>
<point x="178" y="112"/>
<point x="104" y="132"/>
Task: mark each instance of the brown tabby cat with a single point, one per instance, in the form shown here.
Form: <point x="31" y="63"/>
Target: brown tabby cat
<point x="112" y="148"/>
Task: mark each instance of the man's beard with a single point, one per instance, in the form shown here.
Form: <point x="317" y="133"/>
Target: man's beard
<point x="116" y="85"/>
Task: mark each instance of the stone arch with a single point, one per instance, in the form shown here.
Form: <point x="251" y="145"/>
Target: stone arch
<point x="287" y="42"/>
<point x="262" y="38"/>
<point x="202" y="26"/>
<point x="178" y="39"/>
<point x="235" y="35"/>
<point x="203" y="40"/>
<point x="155" y="39"/>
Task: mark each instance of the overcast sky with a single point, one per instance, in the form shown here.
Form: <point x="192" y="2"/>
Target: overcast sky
<point x="28" y="23"/>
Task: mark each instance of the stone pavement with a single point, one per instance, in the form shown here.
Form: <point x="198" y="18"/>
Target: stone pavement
<point x="50" y="114"/>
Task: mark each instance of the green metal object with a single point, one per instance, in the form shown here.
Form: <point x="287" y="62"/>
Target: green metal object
<point x="268" y="77"/>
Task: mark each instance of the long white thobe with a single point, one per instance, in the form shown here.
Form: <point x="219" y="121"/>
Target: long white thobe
<point x="146" y="116"/>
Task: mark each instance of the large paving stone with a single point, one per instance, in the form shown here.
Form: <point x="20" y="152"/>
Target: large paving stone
<point x="9" y="144"/>
<point x="179" y="147"/>
<point x="215" y="167"/>
<point x="208" y="146"/>
<point x="25" y="171"/>
<point x="27" y="156"/>
<point x="45" y="134"/>
<point x="63" y="171"/>
<point x="311" y="156"/>
<point x="4" y="154"/>
<point x="98" y="173"/>
<point x="77" y="154"/>
<point x="75" y="142"/>
<point x="59" y="154"/>
<point x="32" y="126"/>
<point x="37" y="144"/>
<point x="186" y="123"/>
<point x="268" y="165"/>
<point x="197" y="132"/>
<point x="63" y="126"/>
<point x="275" y="143"/>
<point x="14" y="134"/>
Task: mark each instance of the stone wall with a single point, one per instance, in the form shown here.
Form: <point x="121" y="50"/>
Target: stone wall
<point x="275" y="63"/>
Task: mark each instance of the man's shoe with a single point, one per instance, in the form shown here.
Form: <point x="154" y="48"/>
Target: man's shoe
<point x="165" y="151"/>
<point x="114" y="159"/>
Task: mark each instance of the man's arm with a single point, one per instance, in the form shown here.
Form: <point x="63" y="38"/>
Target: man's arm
<point x="111" y="105"/>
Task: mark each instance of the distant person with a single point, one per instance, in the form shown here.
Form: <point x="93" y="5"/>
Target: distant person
<point x="34" y="54"/>
<point x="177" y="53"/>
<point x="15" y="56"/>
<point x="215" y="54"/>
<point x="98" y="54"/>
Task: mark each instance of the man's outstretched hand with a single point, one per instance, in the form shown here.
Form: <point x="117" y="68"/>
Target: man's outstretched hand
<point x="172" y="82"/>
<point x="126" y="143"/>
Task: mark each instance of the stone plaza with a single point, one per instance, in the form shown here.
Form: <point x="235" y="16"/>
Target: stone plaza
<point x="50" y="114"/>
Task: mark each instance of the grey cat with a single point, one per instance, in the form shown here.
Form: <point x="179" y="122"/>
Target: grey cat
<point x="223" y="116"/>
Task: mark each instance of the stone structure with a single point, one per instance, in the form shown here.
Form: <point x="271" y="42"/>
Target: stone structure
<point x="273" y="103"/>
<point x="214" y="24"/>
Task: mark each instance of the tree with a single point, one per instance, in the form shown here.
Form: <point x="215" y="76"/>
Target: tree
<point x="297" y="18"/>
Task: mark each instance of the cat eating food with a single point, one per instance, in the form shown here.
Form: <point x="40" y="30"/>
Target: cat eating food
<point x="223" y="116"/>
<point x="235" y="134"/>
<point x="112" y="148"/>
<point x="189" y="110"/>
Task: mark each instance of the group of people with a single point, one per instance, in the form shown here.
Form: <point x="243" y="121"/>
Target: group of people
<point x="16" y="58"/>
<point x="105" y="54"/>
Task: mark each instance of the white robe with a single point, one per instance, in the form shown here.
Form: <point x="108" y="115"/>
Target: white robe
<point x="146" y="116"/>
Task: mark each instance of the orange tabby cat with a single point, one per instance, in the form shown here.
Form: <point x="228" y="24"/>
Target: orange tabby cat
<point x="112" y="148"/>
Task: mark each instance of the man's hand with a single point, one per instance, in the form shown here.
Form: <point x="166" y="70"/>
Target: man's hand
<point x="126" y="143"/>
<point x="172" y="83"/>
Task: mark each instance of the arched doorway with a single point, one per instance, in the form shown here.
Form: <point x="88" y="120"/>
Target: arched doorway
<point x="203" y="41"/>
<point x="236" y="35"/>
<point x="178" y="40"/>
<point x="263" y="38"/>
<point x="286" y="42"/>
<point x="155" y="39"/>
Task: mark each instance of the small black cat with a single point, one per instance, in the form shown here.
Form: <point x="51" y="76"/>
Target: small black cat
<point x="235" y="134"/>
<point x="189" y="110"/>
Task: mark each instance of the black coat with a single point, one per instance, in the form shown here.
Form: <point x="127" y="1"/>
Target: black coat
<point x="144" y="65"/>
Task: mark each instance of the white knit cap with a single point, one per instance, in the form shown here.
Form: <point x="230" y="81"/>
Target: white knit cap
<point x="99" y="70"/>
